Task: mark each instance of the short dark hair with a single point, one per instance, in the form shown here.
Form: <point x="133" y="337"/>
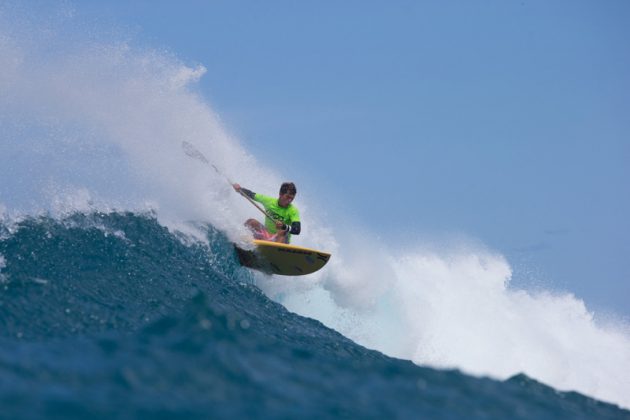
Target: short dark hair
<point x="288" y="188"/>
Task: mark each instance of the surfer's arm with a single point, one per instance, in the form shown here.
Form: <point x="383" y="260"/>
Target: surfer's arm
<point x="244" y="191"/>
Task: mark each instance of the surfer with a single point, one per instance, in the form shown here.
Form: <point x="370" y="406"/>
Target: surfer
<point x="283" y="218"/>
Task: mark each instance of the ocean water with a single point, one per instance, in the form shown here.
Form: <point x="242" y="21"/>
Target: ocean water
<point x="110" y="315"/>
<point x="120" y="295"/>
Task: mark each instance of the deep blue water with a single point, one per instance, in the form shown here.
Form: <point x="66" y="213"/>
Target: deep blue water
<point x="112" y="316"/>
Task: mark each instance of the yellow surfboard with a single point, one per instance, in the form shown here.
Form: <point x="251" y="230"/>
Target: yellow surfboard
<point x="284" y="259"/>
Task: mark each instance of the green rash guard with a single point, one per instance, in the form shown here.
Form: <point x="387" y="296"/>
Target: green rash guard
<point x="286" y="215"/>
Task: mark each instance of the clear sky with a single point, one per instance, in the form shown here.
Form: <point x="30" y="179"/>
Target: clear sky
<point x="505" y="121"/>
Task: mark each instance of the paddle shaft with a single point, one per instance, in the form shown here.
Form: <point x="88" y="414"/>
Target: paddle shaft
<point x="191" y="151"/>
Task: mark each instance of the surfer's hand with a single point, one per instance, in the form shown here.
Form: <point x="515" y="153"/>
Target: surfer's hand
<point x="236" y="187"/>
<point x="281" y="226"/>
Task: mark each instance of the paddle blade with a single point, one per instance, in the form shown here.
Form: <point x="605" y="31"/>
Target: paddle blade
<point x="191" y="151"/>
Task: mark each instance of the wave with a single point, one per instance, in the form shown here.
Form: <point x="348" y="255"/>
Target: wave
<point x="92" y="132"/>
<point x="111" y="315"/>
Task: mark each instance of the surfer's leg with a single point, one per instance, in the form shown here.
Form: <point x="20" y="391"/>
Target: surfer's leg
<point x="281" y="237"/>
<point x="254" y="225"/>
<point x="259" y="230"/>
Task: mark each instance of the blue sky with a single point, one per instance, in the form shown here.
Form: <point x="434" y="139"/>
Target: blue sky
<point x="506" y="121"/>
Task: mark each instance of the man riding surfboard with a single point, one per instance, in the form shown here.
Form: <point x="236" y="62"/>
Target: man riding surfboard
<point x="283" y="217"/>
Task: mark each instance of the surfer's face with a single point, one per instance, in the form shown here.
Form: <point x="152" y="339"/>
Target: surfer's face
<point x="285" y="199"/>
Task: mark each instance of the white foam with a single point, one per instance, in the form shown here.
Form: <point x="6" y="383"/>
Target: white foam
<point x="100" y="125"/>
<point x="455" y="309"/>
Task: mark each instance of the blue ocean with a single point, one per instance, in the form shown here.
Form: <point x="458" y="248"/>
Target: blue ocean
<point x="121" y="295"/>
<point x="110" y="315"/>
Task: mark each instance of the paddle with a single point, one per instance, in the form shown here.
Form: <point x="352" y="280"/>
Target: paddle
<point x="191" y="151"/>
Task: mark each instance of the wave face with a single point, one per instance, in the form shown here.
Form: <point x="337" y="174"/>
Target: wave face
<point x="111" y="315"/>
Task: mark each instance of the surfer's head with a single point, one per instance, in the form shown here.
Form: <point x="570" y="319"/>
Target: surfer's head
<point x="288" y="188"/>
<point x="287" y="194"/>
